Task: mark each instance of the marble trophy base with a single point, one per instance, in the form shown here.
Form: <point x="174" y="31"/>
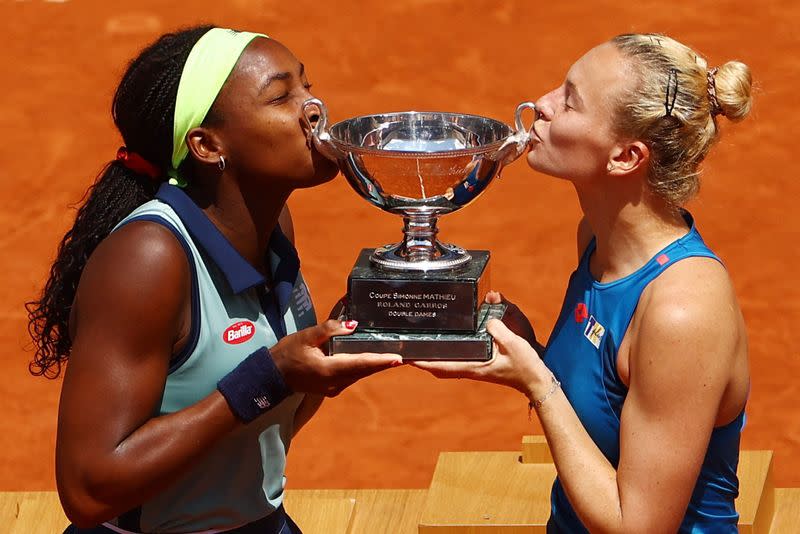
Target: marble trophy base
<point x="420" y="315"/>
<point x="425" y="346"/>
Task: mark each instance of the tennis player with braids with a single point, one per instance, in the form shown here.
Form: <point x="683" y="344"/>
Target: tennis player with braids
<point x="178" y="301"/>
<point x="642" y="387"/>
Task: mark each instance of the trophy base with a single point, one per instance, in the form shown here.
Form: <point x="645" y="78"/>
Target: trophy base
<point x="472" y="346"/>
<point x="392" y="257"/>
<point x="416" y="301"/>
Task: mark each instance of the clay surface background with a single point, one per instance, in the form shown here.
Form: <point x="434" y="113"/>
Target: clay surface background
<point x="61" y="60"/>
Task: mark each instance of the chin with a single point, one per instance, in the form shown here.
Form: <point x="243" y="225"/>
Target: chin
<point x="542" y="167"/>
<point x="322" y="172"/>
<point x="323" y="167"/>
<point x="534" y="163"/>
<point x="325" y="170"/>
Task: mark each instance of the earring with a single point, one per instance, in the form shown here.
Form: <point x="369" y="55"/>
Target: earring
<point x="221" y="163"/>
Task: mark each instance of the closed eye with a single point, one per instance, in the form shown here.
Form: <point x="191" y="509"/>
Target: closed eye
<point x="279" y="98"/>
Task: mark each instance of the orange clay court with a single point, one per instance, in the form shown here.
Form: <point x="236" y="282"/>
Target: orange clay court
<point x="61" y="61"/>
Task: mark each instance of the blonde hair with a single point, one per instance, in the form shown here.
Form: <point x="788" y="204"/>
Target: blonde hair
<point x="673" y="108"/>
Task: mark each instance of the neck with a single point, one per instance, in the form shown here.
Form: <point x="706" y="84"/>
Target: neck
<point x="630" y="226"/>
<point x="245" y="214"/>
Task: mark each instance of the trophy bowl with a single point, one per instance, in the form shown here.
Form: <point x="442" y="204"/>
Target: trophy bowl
<point x="420" y="165"/>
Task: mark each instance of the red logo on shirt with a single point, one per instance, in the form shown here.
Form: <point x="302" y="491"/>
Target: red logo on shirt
<point x="239" y="332"/>
<point x="581" y="312"/>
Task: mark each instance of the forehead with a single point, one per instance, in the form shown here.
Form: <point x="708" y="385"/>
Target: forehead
<point x="261" y="59"/>
<point x="601" y="74"/>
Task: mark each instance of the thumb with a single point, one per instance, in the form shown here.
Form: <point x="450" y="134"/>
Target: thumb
<point x="502" y="335"/>
<point x="321" y="333"/>
<point x="493" y="297"/>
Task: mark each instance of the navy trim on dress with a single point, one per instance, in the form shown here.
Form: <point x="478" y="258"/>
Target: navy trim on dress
<point x="284" y="274"/>
<point x="194" y="329"/>
<point x="238" y="272"/>
<point x="271" y="309"/>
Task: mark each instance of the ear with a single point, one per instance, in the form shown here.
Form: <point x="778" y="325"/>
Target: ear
<point x="204" y="145"/>
<point x="628" y="158"/>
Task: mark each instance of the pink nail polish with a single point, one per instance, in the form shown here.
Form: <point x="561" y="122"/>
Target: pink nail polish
<point x="350" y="325"/>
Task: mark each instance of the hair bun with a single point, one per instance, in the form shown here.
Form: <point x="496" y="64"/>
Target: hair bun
<point x="733" y="83"/>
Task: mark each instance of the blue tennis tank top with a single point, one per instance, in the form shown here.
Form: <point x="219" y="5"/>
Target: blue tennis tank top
<point x="582" y="353"/>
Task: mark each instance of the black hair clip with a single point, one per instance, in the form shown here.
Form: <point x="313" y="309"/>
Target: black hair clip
<point x="672" y="91"/>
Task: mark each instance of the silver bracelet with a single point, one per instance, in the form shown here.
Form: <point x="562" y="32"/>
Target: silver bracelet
<point x="537" y="403"/>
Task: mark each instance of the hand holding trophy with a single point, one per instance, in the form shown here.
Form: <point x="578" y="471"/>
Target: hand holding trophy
<point x="420" y="297"/>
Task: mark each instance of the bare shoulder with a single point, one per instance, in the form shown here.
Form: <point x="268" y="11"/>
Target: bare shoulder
<point x="692" y="284"/>
<point x="138" y="250"/>
<point x="286" y="224"/>
<point x="691" y="311"/>
<point x="139" y="270"/>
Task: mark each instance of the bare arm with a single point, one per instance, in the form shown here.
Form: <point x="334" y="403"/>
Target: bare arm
<point x="311" y="403"/>
<point x="680" y="365"/>
<point x="130" y="309"/>
<point x="130" y="315"/>
<point x="682" y="353"/>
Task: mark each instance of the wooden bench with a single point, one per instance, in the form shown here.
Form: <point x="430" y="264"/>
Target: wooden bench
<point x="471" y="493"/>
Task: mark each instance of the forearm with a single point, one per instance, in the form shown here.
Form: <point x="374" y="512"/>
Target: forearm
<point x="311" y="403"/>
<point x="106" y="484"/>
<point x="587" y="477"/>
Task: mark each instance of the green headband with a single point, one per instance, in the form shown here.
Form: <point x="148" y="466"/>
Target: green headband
<point x="209" y="64"/>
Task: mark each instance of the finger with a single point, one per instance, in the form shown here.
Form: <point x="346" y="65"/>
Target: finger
<point x="450" y="369"/>
<point x="360" y="365"/>
<point x="493" y="297"/>
<point x="502" y="335"/>
<point x="317" y="335"/>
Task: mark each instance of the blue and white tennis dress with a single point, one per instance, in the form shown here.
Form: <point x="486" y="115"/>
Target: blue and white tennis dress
<point x="234" y="313"/>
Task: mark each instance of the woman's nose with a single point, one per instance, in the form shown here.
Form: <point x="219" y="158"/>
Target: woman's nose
<point x="311" y="113"/>
<point x="544" y="107"/>
<point x="543" y="110"/>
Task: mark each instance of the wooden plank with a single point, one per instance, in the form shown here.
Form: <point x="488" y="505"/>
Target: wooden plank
<point x="755" y="503"/>
<point x="395" y="511"/>
<point x="474" y="492"/>
<point x="320" y="514"/>
<point x="535" y="450"/>
<point x="31" y="512"/>
<point x="316" y="511"/>
<point x="471" y="493"/>
<point x="787" y="511"/>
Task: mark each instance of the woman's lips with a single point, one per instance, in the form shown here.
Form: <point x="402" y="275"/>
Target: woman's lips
<point x="534" y="137"/>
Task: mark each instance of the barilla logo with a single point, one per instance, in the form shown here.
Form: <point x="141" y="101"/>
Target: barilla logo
<point x="239" y="332"/>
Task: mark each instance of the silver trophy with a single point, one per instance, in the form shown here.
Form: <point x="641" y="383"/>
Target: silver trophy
<point x="420" y="297"/>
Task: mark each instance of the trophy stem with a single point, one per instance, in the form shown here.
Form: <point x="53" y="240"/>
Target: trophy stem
<point x="419" y="243"/>
<point x="420" y="250"/>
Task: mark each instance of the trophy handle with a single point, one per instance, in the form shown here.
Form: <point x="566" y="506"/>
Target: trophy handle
<point x="317" y="132"/>
<point x="515" y="144"/>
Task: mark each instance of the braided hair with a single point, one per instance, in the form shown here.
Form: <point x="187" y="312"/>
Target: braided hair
<point x="143" y="109"/>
